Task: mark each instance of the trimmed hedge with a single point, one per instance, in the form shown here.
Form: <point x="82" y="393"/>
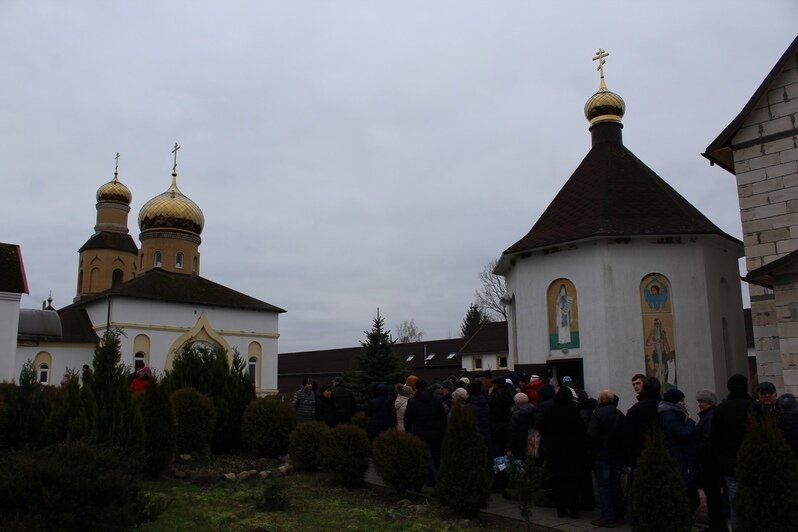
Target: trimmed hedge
<point x="266" y="426"/>
<point x="400" y="458"/>
<point x="304" y="443"/>
<point x="345" y="452"/>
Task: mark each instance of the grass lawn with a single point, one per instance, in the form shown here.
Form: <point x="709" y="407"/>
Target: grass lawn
<point x="316" y="503"/>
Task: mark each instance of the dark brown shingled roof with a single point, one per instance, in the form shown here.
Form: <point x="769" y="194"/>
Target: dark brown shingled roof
<point x="423" y="349"/>
<point x="614" y="194"/>
<point x="110" y="240"/>
<point x="490" y="338"/>
<point x="12" y="270"/>
<point x="719" y="151"/>
<point x="160" y="285"/>
<point x="76" y="326"/>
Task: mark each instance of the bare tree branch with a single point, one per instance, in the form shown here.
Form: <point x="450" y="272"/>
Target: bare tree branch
<point x="493" y="288"/>
<point x="407" y="331"/>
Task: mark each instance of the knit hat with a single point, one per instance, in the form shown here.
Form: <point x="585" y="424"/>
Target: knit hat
<point x="403" y="390"/>
<point x="706" y="396"/>
<point x="521" y="399"/>
<point x="465" y="380"/>
<point x="738" y="384"/>
<point x="787" y="403"/>
<point x="674" y="395"/>
<point x="460" y="393"/>
<point x="567" y="381"/>
<point x="765" y="386"/>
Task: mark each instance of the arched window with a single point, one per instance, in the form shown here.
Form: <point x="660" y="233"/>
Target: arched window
<point x="139" y="361"/>
<point x="44" y="373"/>
<point x="116" y="278"/>
<point x="252" y="366"/>
<point x="563" y="315"/>
<point x="157" y="260"/>
<point x="179" y="260"/>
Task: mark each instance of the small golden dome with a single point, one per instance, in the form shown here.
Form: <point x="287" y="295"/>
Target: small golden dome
<point x="171" y="210"/>
<point x="604" y="106"/>
<point x="114" y="190"/>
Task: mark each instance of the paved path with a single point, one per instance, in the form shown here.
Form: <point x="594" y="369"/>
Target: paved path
<point x="541" y="517"/>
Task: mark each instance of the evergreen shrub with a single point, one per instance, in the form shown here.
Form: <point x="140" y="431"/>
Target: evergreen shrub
<point x="26" y="410"/>
<point x="464" y="477"/>
<point x="196" y="419"/>
<point x="525" y="488"/>
<point x="304" y="443"/>
<point x="345" y="452"/>
<point x="658" y="499"/>
<point x="767" y="479"/>
<point x="360" y="420"/>
<point x="267" y="425"/>
<point x="273" y="498"/>
<point x="160" y="429"/>
<point x="71" y="486"/>
<point x="400" y="458"/>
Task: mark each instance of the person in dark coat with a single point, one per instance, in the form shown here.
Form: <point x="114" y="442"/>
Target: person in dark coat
<point x="522" y="420"/>
<point x="605" y="449"/>
<point x="426" y="418"/>
<point x="343" y="400"/>
<point x="788" y="420"/>
<point x="477" y="403"/>
<point x="380" y="411"/>
<point x="641" y="418"/>
<point x="709" y="475"/>
<point x="500" y="404"/>
<point x="729" y="428"/>
<point x="680" y="440"/>
<point x="563" y="438"/>
<point x="325" y="409"/>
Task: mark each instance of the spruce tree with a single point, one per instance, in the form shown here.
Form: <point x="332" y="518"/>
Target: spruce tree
<point x="378" y="362"/>
<point x="767" y="478"/>
<point x="474" y="319"/>
<point x="464" y="479"/>
<point x="658" y="499"/>
<point x="118" y="419"/>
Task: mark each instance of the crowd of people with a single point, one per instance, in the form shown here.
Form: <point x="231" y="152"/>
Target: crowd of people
<point x="587" y="445"/>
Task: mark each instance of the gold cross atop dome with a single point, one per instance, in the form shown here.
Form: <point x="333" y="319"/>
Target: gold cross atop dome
<point x="177" y="147"/>
<point x="600" y="55"/>
<point x="116" y="168"/>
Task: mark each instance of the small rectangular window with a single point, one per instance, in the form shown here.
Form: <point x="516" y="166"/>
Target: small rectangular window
<point x="429" y="357"/>
<point x="409" y="358"/>
<point x="502" y="362"/>
<point x="451" y="356"/>
<point x="477" y="362"/>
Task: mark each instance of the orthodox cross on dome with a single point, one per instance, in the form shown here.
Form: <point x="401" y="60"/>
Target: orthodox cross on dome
<point x="600" y="55"/>
<point x="177" y="147"/>
<point x="116" y="168"/>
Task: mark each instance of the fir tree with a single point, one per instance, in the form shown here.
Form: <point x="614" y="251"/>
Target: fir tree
<point x="658" y="500"/>
<point x="464" y="479"/>
<point x="378" y="362"/>
<point x="767" y="478"/>
<point x="118" y="419"/>
<point x="474" y="319"/>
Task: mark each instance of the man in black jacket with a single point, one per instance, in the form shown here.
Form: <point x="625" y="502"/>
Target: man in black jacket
<point x="641" y="418"/>
<point x="728" y="430"/>
<point x="604" y="447"/>
<point x="426" y="418"/>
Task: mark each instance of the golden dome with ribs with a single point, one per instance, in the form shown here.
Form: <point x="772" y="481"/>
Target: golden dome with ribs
<point x="114" y="190"/>
<point x="171" y="210"/>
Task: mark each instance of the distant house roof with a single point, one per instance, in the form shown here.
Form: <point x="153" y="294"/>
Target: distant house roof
<point x="161" y="285"/>
<point x="720" y="150"/>
<point x="614" y="194"/>
<point x="12" y="270"/>
<point x="76" y="326"/>
<point x="110" y="240"/>
<point x="420" y="354"/>
<point x="490" y="338"/>
<point x="326" y="361"/>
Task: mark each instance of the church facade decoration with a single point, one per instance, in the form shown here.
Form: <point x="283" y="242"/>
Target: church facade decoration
<point x="659" y="343"/>
<point x="563" y="315"/>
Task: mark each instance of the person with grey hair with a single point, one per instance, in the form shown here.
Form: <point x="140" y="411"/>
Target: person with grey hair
<point x="710" y="476"/>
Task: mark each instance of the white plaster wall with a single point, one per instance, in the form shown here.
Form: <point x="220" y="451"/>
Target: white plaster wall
<point x="9" y="324"/>
<point x="165" y="322"/>
<point x="64" y="356"/>
<point x="607" y="277"/>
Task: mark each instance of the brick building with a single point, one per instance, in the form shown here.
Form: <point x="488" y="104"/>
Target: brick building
<point x="760" y="147"/>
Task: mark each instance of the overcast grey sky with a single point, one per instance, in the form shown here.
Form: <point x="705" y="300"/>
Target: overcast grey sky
<point x="353" y="155"/>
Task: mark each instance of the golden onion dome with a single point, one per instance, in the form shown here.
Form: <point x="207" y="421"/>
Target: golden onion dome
<point x="604" y="106"/>
<point x="114" y="190"/>
<point x="171" y="210"/>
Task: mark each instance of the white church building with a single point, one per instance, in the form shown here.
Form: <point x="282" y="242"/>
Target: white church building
<point x="621" y="275"/>
<point x="154" y="295"/>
